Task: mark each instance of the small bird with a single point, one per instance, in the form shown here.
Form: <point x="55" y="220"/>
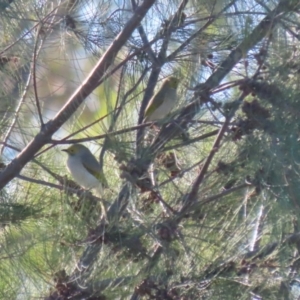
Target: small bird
<point x="163" y="101"/>
<point x="85" y="168"/>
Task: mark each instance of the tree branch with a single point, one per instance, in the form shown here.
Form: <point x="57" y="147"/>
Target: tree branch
<point x="76" y="99"/>
<point x="169" y="131"/>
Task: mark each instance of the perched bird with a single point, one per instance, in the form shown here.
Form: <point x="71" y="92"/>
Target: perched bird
<point x="85" y="168"/>
<point x="163" y="101"/>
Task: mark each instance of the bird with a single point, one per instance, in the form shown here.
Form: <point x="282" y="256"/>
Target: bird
<point x="85" y="168"/>
<point x="163" y="101"/>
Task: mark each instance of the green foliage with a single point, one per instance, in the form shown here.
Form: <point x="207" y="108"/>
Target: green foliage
<point x="204" y="204"/>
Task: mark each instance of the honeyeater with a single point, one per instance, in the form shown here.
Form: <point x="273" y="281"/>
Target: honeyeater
<point x="163" y="101"/>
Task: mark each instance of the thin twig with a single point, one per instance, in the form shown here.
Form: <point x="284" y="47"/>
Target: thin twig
<point x="193" y="194"/>
<point x="144" y="38"/>
<point x="101" y="136"/>
<point x="16" y="113"/>
<point x="44" y="183"/>
<point x="36" y="51"/>
<point x="87" y="87"/>
<point x="156" y="69"/>
<point x="197" y="33"/>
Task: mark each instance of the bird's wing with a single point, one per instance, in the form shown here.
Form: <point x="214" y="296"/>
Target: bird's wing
<point x="93" y="167"/>
<point x="158" y="98"/>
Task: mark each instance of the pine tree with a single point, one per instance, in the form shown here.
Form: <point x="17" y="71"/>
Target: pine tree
<point x="202" y="204"/>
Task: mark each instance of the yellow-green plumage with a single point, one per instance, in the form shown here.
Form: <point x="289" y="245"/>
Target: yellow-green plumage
<point x="85" y="168"/>
<point x="163" y="101"/>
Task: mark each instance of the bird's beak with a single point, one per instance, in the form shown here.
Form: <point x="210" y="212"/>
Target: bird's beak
<point x="65" y="150"/>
